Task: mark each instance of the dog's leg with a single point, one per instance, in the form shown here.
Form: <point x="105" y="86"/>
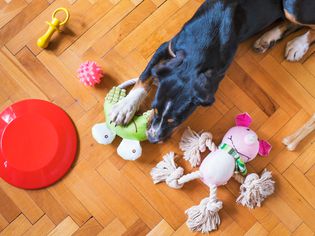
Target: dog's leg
<point x="269" y="39"/>
<point x="123" y="111"/>
<point x="298" y="47"/>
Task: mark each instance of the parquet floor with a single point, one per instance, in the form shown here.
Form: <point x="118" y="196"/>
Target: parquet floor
<point x="108" y="196"/>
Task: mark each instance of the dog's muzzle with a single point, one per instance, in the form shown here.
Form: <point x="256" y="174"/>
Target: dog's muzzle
<point x="153" y="135"/>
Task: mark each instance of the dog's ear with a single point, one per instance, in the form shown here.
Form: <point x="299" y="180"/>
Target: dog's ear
<point x="166" y="67"/>
<point x="204" y="89"/>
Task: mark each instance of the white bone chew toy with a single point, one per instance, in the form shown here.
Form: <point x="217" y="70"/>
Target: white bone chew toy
<point x="239" y="145"/>
<point x="293" y="140"/>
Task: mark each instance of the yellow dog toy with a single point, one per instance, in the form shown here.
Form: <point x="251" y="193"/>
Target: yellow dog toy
<point x="54" y="25"/>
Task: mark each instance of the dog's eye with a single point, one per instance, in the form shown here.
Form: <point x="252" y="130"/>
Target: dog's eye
<point x="170" y="120"/>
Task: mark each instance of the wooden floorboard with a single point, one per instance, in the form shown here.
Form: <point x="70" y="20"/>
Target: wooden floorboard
<point x="105" y="195"/>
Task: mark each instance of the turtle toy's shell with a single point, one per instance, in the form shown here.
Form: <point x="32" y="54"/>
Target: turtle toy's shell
<point x="136" y="129"/>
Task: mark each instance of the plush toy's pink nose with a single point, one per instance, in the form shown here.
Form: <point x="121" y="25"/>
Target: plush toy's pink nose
<point x="250" y="139"/>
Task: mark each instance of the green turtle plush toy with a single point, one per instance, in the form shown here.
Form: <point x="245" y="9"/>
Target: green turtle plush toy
<point x="131" y="134"/>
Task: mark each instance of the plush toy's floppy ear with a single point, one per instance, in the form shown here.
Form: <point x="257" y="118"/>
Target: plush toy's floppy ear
<point x="243" y="119"/>
<point x="264" y="148"/>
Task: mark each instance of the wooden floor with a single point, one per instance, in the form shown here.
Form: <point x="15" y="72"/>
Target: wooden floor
<point x="108" y="196"/>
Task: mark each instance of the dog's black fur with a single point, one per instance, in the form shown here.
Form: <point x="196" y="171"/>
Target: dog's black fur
<point x="204" y="49"/>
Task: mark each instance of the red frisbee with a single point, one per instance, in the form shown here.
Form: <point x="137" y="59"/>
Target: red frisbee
<point x="38" y="144"/>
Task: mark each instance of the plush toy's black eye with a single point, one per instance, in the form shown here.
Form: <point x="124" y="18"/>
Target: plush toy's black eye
<point x="248" y="129"/>
<point x="106" y="136"/>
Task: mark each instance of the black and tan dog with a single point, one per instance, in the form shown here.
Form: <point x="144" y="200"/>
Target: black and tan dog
<point x="190" y="67"/>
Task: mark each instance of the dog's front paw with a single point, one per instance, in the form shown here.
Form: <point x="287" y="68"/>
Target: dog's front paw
<point x="297" y="48"/>
<point x="268" y="40"/>
<point x="123" y="111"/>
<point x="262" y="45"/>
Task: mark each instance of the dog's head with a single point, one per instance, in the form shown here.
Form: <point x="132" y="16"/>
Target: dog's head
<point x="181" y="89"/>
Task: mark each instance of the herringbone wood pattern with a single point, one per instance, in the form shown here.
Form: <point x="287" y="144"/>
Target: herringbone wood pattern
<point x="108" y="196"/>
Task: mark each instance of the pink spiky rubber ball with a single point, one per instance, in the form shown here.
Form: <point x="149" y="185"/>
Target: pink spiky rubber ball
<point x="90" y="73"/>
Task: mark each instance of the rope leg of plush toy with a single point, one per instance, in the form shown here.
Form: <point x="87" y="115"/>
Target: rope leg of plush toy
<point x="205" y="217"/>
<point x="193" y="143"/>
<point x="167" y="170"/>
<point x="189" y="177"/>
<point x="256" y="189"/>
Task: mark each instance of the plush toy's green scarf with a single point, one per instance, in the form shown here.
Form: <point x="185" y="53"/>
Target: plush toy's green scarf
<point x="240" y="165"/>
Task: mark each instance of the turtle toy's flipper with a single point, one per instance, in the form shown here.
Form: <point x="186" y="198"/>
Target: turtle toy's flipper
<point x="102" y="134"/>
<point x="129" y="150"/>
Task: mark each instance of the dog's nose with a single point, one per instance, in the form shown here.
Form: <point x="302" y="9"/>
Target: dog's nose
<point x="153" y="139"/>
<point x="250" y="139"/>
<point x="153" y="136"/>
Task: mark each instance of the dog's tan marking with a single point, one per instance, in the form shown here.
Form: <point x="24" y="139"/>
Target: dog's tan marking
<point x="170" y="120"/>
<point x="146" y="84"/>
<point x="312" y="35"/>
<point x="291" y="17"/>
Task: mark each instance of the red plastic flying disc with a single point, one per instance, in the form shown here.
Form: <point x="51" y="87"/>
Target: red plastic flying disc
<point x="38" y="144"/>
